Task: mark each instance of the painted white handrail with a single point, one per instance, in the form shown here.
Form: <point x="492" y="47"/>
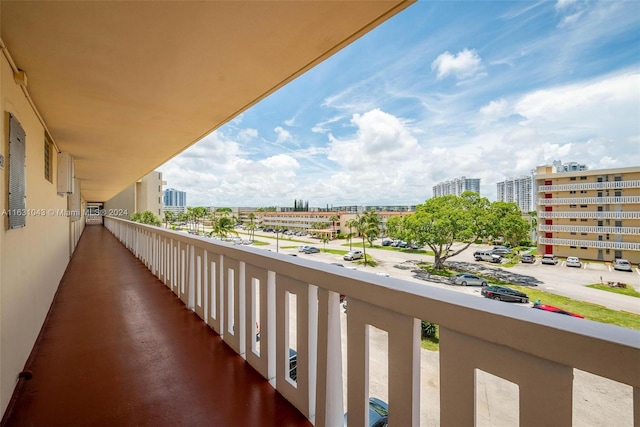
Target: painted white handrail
<point x="220" y="282"/>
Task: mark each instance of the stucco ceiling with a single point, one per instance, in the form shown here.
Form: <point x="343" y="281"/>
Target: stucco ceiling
<point x="125" y="86"/>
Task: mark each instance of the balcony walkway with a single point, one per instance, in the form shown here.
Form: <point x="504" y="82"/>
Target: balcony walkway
<point x="120" y="349"/>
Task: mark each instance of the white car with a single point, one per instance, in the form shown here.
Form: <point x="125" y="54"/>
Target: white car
<point x="352" y="255"/>
<point x="573" y="261"/>
<point x="622" y="265"/>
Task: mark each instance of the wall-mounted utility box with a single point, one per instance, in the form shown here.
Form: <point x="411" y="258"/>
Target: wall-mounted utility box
<point x="65" y="173"/>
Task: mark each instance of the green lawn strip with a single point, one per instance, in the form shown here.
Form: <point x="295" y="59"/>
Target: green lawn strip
<point x="624" y="291"/>
<point x="432" y="343"/>
<point x="589" y="310"/>
<point x="260" y="243"/>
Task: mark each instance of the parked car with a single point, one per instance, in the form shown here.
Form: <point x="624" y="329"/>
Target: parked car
<point x="387" y="242"/>
<point x="502" y="293"/>
<point x="353" y="255"/>
<point x="402" y="244"/>
<point x="549" y="259"/>
<point x="293" y="364"/>
<point x="573" y="261"/>
<point x="528" y="259"/>
<point x="558" y="310"/>
<point x="378" y="413"/>
<point x="303" y="248"/>
<point x="487" y="256"/>
<point x="311" y="250"/>
<point x="465" y="279"/>
<point x="500" y="250"/>
<point x="622" y="265"/>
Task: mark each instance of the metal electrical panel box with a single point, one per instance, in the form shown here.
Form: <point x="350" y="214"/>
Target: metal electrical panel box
<point x="65" y="173"/>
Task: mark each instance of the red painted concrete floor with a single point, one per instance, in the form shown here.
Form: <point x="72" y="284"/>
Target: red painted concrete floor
<point x="120" y="349"/>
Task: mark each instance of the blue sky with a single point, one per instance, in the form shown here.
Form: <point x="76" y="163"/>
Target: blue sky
<point x="444" y="89"/>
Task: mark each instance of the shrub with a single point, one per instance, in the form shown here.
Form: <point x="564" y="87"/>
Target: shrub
<point x="428" y="329"/>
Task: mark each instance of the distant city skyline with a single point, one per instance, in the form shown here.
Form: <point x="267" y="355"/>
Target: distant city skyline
<point x="479" y="89"/>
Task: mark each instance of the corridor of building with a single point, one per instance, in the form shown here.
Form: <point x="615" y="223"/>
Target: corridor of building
<point x="120" y="349"/>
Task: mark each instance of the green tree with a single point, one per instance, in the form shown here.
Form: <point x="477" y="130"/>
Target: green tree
<point x="441" y="221"/>
<point x="507" y="222"/>
<point x="252" y="225"/>
<point x="395" y="227"/>
<point x="368" y="226"/>
<point x="223" y="226"/>
<point x="351" y="223"/>
<point x="169" y="217"/>
<point x="334" y="219"/>
<point x="146" y="217"/>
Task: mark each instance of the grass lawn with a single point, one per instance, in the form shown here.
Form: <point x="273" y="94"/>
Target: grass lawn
<point x="260" y="243"/>
<point x="629" y="290"/>
<point x="590" y="311"/>
<point x="432" y="343"/>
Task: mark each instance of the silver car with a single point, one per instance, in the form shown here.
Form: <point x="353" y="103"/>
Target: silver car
<point x="465" y="279"/>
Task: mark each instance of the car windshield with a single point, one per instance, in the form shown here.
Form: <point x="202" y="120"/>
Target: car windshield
<point x="379" y="409"/>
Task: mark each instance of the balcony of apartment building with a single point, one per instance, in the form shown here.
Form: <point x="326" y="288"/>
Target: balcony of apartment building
<point x="615" y="200"/>
<point x="608" y="185"/>
<point x="166" y="335"/>
<point x="154" y="327"/>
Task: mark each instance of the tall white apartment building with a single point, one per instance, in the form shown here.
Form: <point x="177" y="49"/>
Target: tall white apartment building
<point x="589" y="214"/>
<point x="456" y="186"/>
<point x="518" y="190"/>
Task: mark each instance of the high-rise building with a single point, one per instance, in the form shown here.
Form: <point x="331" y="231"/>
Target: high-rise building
<point x="175" y="200"/>
<point x="518" y="190"/>
<point x="456" y="186"/>
<point x="589" y="214"/>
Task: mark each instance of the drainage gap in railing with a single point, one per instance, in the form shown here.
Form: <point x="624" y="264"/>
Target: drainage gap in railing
<point x="378" y="368"/>
<point x="291" y="337"/>
<point x="255" y="315"/>
<point x="600" y="401"/>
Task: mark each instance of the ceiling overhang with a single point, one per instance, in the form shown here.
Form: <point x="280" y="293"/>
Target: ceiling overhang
<point x="125" y="86"/>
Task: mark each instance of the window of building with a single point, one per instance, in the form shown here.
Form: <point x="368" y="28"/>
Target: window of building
<point x="583" y="247"/>
<point x="617" y="193"/>
<point x="572" y="219"/>
<point x="583" y="206"/>
<point x="617" y="254"/>
<point x="618" y="223"/>
<point x="573" y="233"/>
<point x="599" y="223"/>
<point x="599" y="208"/>
<point x="617" y="178"/>
<point x="573" y="178"/>
<point x="583" y="178"/>
<point x="600" y="238"/>
<point x="607" y="251"/>
<point x="599" y="193"/>
<point x="48" y="160"/>
<point x="583" y="234"/>
<point x="572" y="206"/>
<point x="572" y="247"/>
<point x="599" y="179"/>
<point x="583" y="219"/>
<point x="17" y="166"/>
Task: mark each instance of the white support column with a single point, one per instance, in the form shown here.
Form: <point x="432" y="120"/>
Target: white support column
<point x="329" y="400"/>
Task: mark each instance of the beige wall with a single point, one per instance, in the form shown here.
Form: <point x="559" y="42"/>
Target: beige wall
<point x="33" y="258"/>
<point x="122" y="205"/>
<point x="144" y="195"/>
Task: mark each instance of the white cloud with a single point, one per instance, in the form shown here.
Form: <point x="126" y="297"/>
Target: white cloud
<point x="464" y="65"/>
<point x="495" y="109"/>
<point x="284" y="135"/>
<point x="380" y="138"/>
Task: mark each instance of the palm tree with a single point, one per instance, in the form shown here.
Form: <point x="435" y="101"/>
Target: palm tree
<point x="352" y="223"/>
<point x="223" y="226"/>
<point x="252" y="225"/>
<point x="169" y="217"/>
<point x="368" y="226"/>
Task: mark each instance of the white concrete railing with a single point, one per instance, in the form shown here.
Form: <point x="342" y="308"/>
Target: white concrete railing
<point x="590" y="186"/>
<point x="590" y="200"/>
<point x="221" y="283"/>
<point x="590" y="214"/>
<point x="593" y="229"/>
<point x="600" y="244"/>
